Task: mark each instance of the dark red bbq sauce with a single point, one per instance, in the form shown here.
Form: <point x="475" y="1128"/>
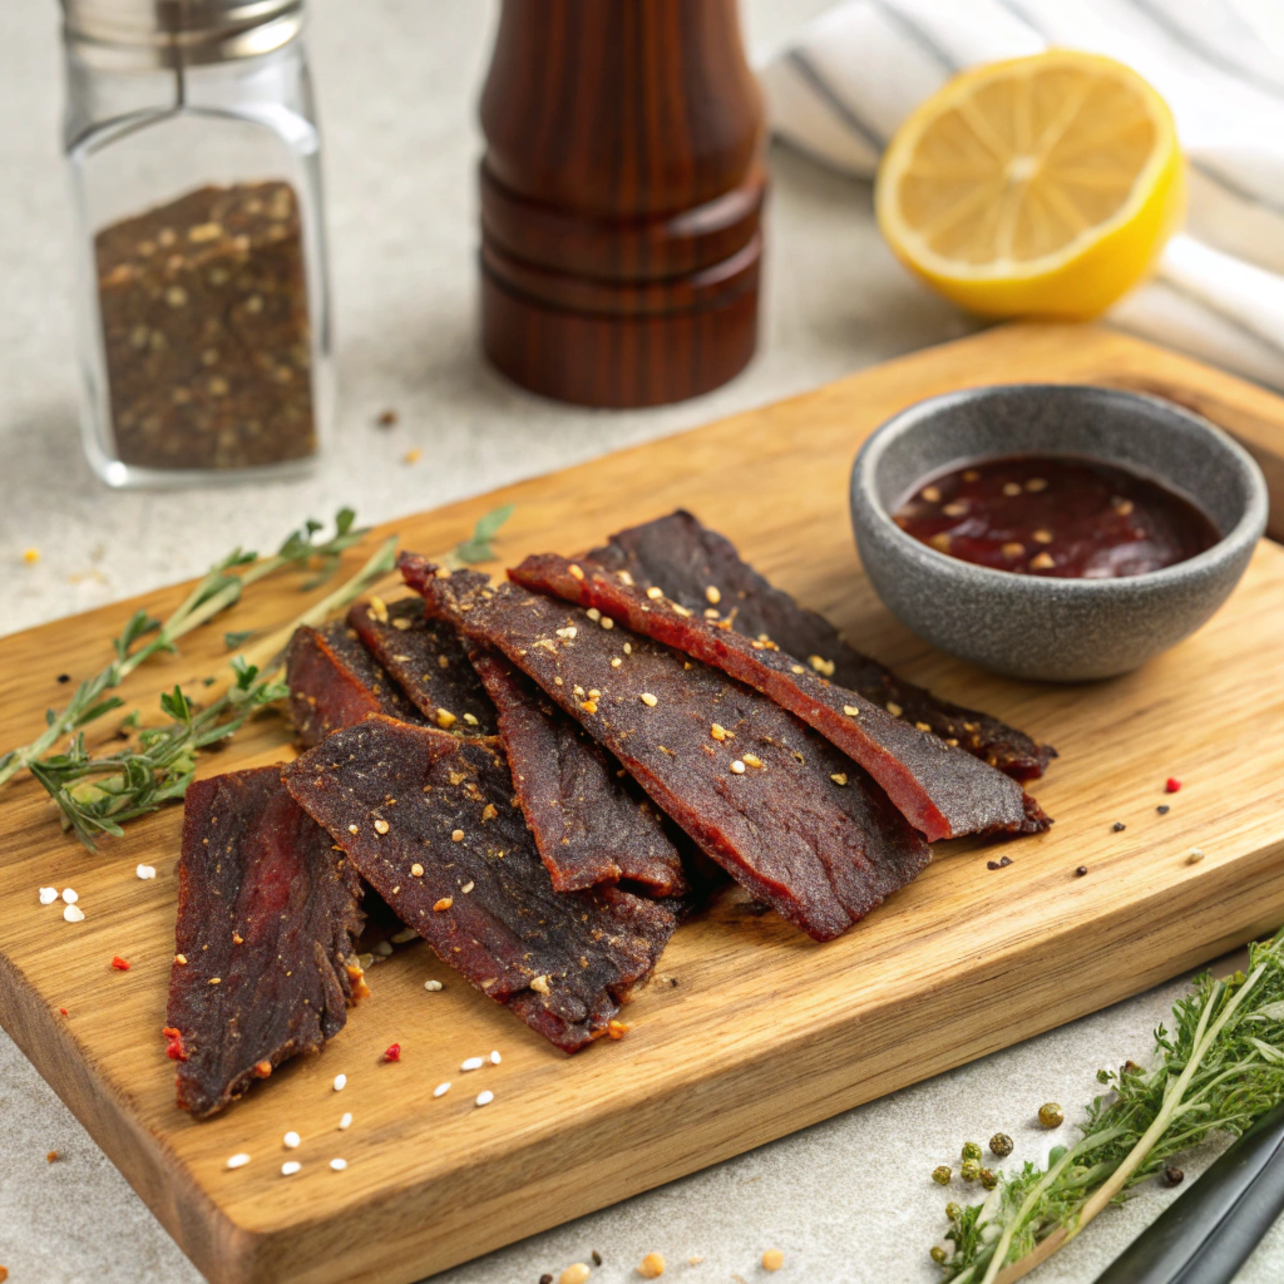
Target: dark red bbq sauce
<point x="1059" y="516"/>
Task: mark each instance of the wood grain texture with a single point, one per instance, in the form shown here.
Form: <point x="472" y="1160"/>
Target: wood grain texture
<point x="764" y="1031"/>
<point x="621" y="194"/>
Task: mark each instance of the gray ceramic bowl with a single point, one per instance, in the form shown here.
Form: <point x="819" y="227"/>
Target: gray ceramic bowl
<point x="1030" y="626"/>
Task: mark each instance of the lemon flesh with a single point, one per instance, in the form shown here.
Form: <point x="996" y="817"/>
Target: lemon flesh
<point x="1041" y="186"/>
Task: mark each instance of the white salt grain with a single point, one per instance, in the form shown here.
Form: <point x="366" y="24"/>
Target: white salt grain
<point x="485" y="1098"/>
<point x="338" y="1164"/>
<point x="146" y="871"/>
<point x="495" y="1058"/>
<point x="432" y="986"/>
<point x="48" y="895"/>
<point x="238" y="1161"/>
<point x="69" y="895"/>
<point x="340" y="1082"/>
<point x="292" y="1140"/>
<point x="74" y="914"/>
<point x="473" y="1063"/>
<point x="441" y="1089"/>
<point x="290" y="1167"/>
<point x="346" y="1122"/>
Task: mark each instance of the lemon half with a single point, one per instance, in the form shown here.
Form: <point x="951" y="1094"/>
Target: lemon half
<point x="1041" y="186"/>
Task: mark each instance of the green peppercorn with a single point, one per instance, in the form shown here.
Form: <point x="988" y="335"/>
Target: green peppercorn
<point x="989" y="1179"/>
<point x="1001" y="1145"/>
<point x="971" y="1150"/>
<point x="1051" y="1115"/>
<point x="953" y="1211"/>
<point x="970" y="1169"/>
<point x="939" y="1255"/>
<point x="941" y="1176"/>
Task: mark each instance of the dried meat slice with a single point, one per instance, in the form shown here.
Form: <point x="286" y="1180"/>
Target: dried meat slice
<point x="685" y="559"/>
<point x="792" y="819"/>
<point x="591" y="822"/>
<point x="942" y="791"/>
<point x="334" y="681"/>
<point x="430" y="821"/>
<point x="268" y="915"/>
<point x="427" y="659"/>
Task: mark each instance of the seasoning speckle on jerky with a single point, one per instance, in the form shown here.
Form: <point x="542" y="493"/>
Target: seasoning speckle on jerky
<point x="334" y="681"/>
<point x="513" y="926"/>
<point x="255" y="866"/>
<point x="427" y="659"/>
<point x="589" y="825"/>
<point x="822" y="857"/>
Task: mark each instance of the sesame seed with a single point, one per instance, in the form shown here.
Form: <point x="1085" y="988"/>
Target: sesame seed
<point x="797" y="668"/>
<point x="180" y="959"/>
<point x="539" y="984"/>
<point x="1194" y="856"/>
<point x="345" y="1121"/>
<point x="1036" y="484"/>
<point x="290" y="1167"/>
<point x="651" y="1267"/>
<point x="340" y="1082"/>
<point x="628" y="648"/>
<point x="575" y="571"/>
<point x="485" y="1098"/>
<point x="851" y="711"/>
<point x="653" y="593"/>
<point x="714" y="594"/>
<point x="594" y="614"/>
<point x="238" y="1161"/>
<point x="69" y="895"/>
<point x="839" y="777"/>
<point x="352" y="829"/>
<point x="445" y="719"/>
<point x="432" y="986"/>
<point x="821" y="665"/>
<point x="932" y="494"/>
<point x="441" y="1089"/>
<point x="738" y="767"/>
<point x="145" y="872"/>
<point x="616" y="662"/>
<point x="752" y="760"/>
<point x="74" y="914"/>
<point x="568" y="632"/>
<point x="1042" y="536"/>
<point x="1124" y="508"/>
<point x="292" y="1140"/>
<point x="1041" y="562"/>
<point x="495" y="1058"/>
<point x="1012" y="549"/>
<point x="594" y="693"/>
<point x="444" y="904"/>
<point x="416" y="870"/>
<point x="338" y="1165"/>
<point x="470" y="720"/>
<point x="711" y="613"/>
<point x="383" y="949"/>
<point x="381" y="826"/>
<point x="922" y="726"/>
<point x="894" y="709"/>
<point x="1011" y="488"/>
<point x="589" y="706"/>
<point x="467" y="887"/>
<point x="718" y="731"/>
<point x="648" y="699"/>
<point x="456" y="835"/>
<point x="378" y="610"/>
<point x="48" y="895"/>
<point x="940" y="541"/>
<point x="216" y="980"/>
<point x="958" y="508"/>
<point x="607" y="622"/>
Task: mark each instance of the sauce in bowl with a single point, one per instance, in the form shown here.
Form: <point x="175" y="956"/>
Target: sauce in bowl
<point x="1058" y="516"/>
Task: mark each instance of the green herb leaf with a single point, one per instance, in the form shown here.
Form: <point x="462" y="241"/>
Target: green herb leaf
<point x="478" y="548"/>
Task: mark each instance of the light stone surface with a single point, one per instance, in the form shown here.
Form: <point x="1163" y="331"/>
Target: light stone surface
<point x="848" y="1200"/>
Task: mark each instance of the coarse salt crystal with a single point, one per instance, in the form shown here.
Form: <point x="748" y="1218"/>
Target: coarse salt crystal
<point x="441" y="1089"/>
<point x="290" y="1167"/>
<point x="473" y="1063"/>
<point x="495" y="1058"/>
<point x="69" y="895"/>
<point x="146" y="871"/>
<point x="48" y="895"/>
<point x="485" y="1098"/>
<point x="74" y="914"/>
<point x="340" y="1082"/>
<point x="338" y="1164"/>
<point x="292" y="1140"/>
<point x="345" y="1121"/>
<point x="238" y="1161"/>
<point x="432" y="986"/>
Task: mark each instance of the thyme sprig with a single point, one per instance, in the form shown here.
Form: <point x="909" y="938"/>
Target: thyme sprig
<point x="1220" y="1070"/>
<point x="144" y="636"/>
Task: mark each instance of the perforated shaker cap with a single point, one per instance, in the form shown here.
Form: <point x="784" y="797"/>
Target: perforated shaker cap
<point x="169" y="33"/>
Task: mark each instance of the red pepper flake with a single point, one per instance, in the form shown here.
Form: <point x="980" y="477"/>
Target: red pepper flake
<point x="63" y="1012"/>
<point x="392" y="1052"/>
<point x="174" y="1049"/>
<point x="262" y="1069"/>
<point x="119" y="963"/>
<point x="616" y="1029"/>
<point x="1172" y="785"/>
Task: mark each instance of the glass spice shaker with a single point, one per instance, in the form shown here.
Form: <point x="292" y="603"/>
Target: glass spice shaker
<point x="202" y="295"/>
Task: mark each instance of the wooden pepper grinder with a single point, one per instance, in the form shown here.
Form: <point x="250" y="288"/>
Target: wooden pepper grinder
<point x="621" y="196"/>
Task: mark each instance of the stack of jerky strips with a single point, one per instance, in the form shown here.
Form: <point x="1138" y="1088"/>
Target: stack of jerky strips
<point x="543" y="776"/>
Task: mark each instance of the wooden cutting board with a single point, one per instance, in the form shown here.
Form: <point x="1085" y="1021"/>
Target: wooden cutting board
<point x="750" y="1030"/>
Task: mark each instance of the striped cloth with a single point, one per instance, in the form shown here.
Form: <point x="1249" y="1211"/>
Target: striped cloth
<point x="842" y="85"/>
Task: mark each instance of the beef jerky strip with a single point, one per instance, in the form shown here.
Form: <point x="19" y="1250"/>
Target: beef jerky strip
<point x="787" y="815"/>
<point x="427" y="659"/>
<point x="942" y="791"/>
<point x="430" y="821"/>
<point x="268" y="916"/>
<point x="685" y="559"/>
<point x="334" y="681"/>
<point x="590" y="826"/>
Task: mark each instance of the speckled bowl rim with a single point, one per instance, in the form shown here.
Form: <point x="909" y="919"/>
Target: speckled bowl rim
<point x="1246" y="531"/>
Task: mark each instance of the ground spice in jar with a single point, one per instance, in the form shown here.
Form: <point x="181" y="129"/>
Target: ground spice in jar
<point x="205" y="330"/>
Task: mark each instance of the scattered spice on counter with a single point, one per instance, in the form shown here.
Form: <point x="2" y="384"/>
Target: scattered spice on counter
<point x="651" y="1267"/>
<point x="238" y="1161"/>
<point x="145" y="872"/>
<point x="345" y="1121"/>
<point x="290" y="1167"/>
<point x="1001" y="1145"/>
<point x="392" y="1052"/>
<point x="338" y="1165"/>
<point x="597" y="1257"/>
<point x="52" y="1157"/>
<point x="546" y="1278"/>
<point x="432" y="987"/>
<point x="119" y="964"/>
<point x="413" y="456"/>
<point x="999" y="864"/>
<point x="70" y="895"/>
<point x="291" y="1141"/>
<point x="1081" y="871"/>
<point x="1163" y="809"/>
<point x="31" y="556"/>
<point x="62" y="679"/>
<point x="576" y="1273"/>
<point x="1172" y="785"/>
<point x="174" y="1049"/>
<point x="441" y="1089"/>
<point x="205" y="330"/>
<point x="1194" y="856"/>
<point x="495" y="1058"/>
<point x="340" y="1082"/>
<point x="473" y="1063"/>
<point x="48" y="895"/>
<point x="773" y="1259"/>
<point x="1118" y="827"/>
<point x="1051" y="1115"/>
<point x="942" y="1174"/>
<point x="1172" y="1176"/>
<point x="63" y="1012"/>
<point x="387" y="418"/>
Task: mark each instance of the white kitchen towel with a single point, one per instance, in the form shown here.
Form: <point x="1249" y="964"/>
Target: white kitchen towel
<point x="842" y="85"/>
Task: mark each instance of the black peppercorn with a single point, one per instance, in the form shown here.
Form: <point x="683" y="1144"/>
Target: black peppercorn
<point x="1163" y="809"/>
<point x="1119" y="827"/>
<point x="546" y="1278"/>
<point x="1081" y="871"/>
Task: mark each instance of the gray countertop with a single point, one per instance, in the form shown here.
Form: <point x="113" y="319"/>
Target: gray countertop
<point x="846" y="1200"/>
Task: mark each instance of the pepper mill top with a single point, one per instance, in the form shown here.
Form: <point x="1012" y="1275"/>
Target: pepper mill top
<point x="622" y="189"/>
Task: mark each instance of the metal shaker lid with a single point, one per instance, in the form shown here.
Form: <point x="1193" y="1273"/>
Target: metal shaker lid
<point x="169" y="33"/>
